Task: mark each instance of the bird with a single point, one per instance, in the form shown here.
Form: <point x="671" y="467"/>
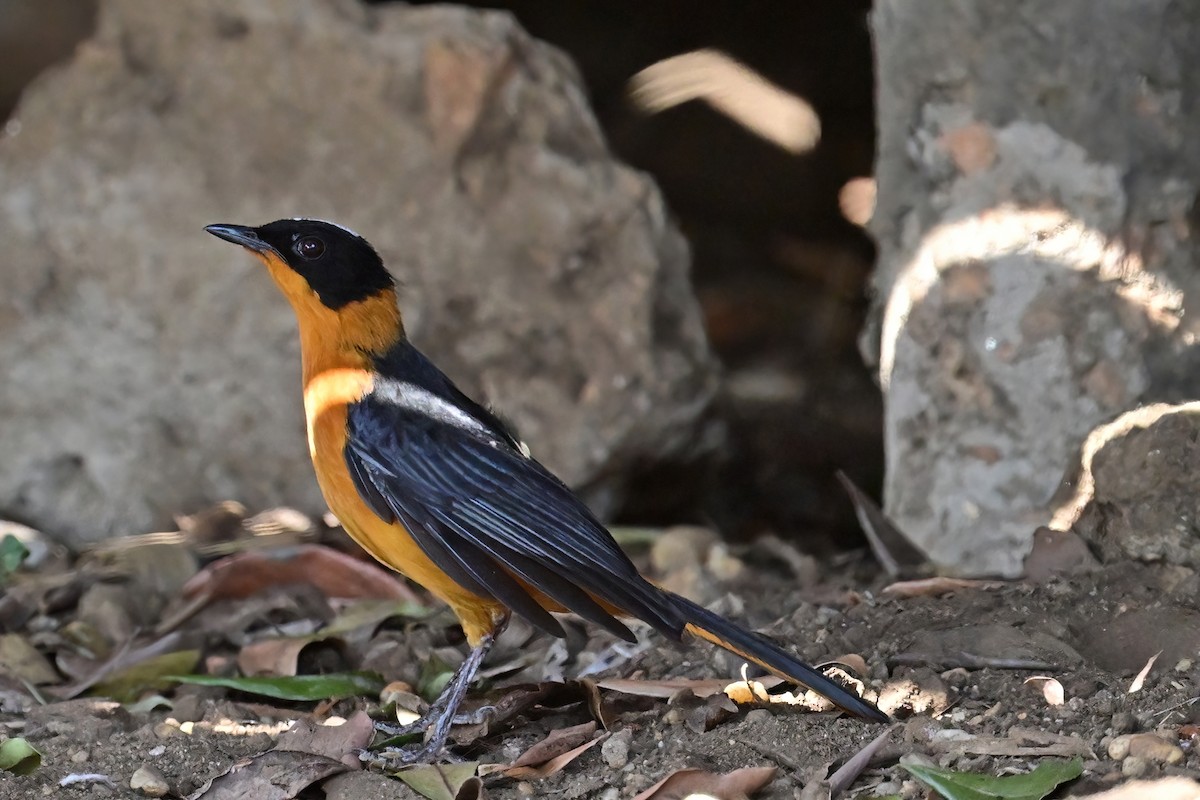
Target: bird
<point x="436" y="487"/>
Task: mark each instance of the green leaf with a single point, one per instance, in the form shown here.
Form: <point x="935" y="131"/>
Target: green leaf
<point x="149" y="703"/>
<point x="332" y="686"/>
<point x="129" y="684"/>
<point x="18" y="757"/>
<point x="12" y="552"/>
<point x="438" y="781"/>
<point x="976" y="786"/>
<point x="435" y="676"/>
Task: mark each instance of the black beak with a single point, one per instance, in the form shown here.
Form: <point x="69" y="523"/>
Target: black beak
<point x="239" y="234"/>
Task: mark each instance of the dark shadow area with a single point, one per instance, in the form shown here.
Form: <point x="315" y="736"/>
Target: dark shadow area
<point x="35" y="35"/>
<point x="778" y="268"/>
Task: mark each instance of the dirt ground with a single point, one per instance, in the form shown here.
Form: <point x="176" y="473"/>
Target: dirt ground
<point x="953" y="668"/>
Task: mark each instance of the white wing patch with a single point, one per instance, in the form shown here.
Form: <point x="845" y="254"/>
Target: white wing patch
<point x="411" y="397"/>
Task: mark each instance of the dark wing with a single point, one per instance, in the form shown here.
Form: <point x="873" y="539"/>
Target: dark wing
<point x="486" y="514"/>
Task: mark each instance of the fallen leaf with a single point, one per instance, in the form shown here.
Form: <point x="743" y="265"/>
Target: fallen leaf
<point x="334" y="685"/>
<point x="273" y="775"/>
<point x="124" y="657"/>
<point x="341" y="742"/>
<point x="954" y="785"/>
<point x="1140" y="679"/>
<point x="128" y="684"/>
<point x="730" y="786"/>
<point x="555" y="764"/>
<point x="438" y="781"/>
<point x="892" y="548"/>
<point x="334" y="573"/>
<point x="932" y="587"/>
<point x="19" y="757"/>
<point x="550" y="755"/>
<point x="22" y="660"/>
<point x="12" y="553"/>
<point x="1052" y="689"/>
<point x="370" y="613"/>
<point x="149" y="703"/>
<point x="513" y="701"/>
<point x="435" y="676"/>
<point x="555" y="744"/>
<point x="278" y="656"/>
<point x="665" y="689"/>
<point x="840" y="781"/>
<point x="701" y="714"/>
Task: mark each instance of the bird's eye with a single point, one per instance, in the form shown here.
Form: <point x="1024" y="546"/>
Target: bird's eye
<point x="310" y="247"/>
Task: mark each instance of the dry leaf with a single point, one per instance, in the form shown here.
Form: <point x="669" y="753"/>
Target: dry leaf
<point x="335" y="574"/>
<point x="341" y="742"/>
<point x="550" y="755"/>
<point x="555" y="744"/>
<point x="892" y="548"/>
<point x="278" y="656"/>
<point x="22" y="660"/>
<point x="665" y="689"/>
<point x="125" y="656"/>
<point x="514" y="701"/>
<point x="1140" y="679"/>
<point x="932" y="587"/>
<point x="731" y="786"/>
<point x="1052" y="690"/>
<point x="274" y="775"/>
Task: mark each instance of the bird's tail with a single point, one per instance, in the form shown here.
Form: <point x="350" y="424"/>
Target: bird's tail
<point x="766" y="654"/>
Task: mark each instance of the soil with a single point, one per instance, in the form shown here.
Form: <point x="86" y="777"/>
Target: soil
<point x="922" y="656"/>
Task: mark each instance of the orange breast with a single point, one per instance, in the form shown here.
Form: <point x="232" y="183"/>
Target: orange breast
<point x="326" y="397"/>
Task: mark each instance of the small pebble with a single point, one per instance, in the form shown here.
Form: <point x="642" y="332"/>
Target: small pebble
<point x="1134" y="767"/>
<point x="80" y="756"/>
<point x="758" y="716"/>
<point x="615" y="749"/>
<point x="525" y="789"/>
<point x="165" y="730"/>
<point x="1124" y="722"/>
<point x="1146" y="746"/>
<point x="149" y="781"/>
<point x="1184" y="665"/>
<point x="674" y="716"/>
<point x="190" y="708"/>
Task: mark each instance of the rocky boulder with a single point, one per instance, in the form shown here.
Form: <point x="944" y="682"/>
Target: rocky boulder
<point x="150" y="369"/>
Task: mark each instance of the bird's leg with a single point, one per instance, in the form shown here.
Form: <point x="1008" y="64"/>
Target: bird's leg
<point x="437" y="721"/>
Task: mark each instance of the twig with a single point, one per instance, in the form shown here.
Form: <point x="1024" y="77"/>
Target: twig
<point x="840" y="780"/>
<point x="971" y="661"/>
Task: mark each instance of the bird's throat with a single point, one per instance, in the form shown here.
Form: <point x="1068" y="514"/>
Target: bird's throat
<point x="349" y="337"/>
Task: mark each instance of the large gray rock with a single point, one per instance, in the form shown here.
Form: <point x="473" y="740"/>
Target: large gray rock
<point x="1038" y="170"/>
<point x="150" y="369"/>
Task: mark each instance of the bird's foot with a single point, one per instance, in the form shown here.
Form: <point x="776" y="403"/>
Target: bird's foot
<point x="393" y="730"/>
<point x="390" y="759"/>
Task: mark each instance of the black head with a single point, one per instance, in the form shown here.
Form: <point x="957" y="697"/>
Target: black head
<point x="338" y="264"/>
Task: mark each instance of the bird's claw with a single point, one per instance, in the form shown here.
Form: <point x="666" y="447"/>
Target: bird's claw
<point x="476" y="716"/>
<point x="391" y="759"/>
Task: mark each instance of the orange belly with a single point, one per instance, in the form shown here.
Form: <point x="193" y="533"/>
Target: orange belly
<point x="325" y="399"/>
